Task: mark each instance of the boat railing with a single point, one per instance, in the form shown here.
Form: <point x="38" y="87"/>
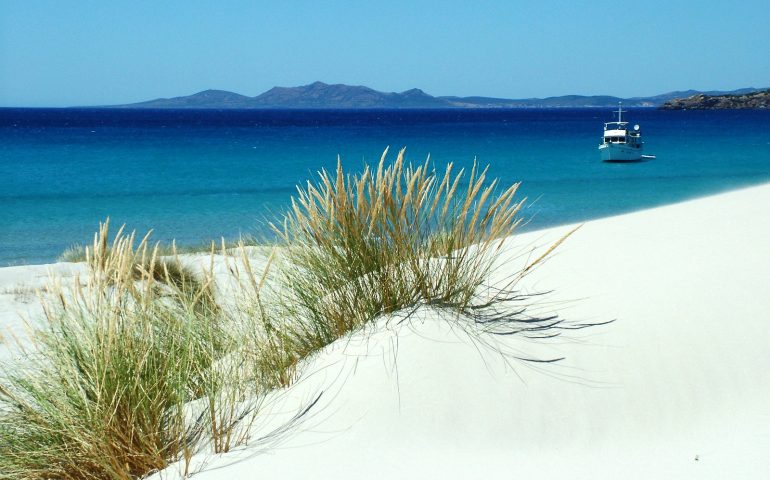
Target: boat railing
<point x="620" y="124"/>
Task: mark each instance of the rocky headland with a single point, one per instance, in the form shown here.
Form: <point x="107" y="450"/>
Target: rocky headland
<point x="760" y="99"/>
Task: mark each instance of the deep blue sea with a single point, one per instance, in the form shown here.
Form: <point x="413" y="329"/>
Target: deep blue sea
<point x="200" y="175"/>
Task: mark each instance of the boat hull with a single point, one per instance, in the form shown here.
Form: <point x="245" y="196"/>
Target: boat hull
<point x="618" y="152"/>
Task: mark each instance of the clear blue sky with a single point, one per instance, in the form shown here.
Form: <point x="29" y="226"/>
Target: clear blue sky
<point x="63" y="53"/>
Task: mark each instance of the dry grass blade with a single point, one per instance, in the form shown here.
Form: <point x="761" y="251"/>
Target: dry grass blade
<point x="550" y="250"/>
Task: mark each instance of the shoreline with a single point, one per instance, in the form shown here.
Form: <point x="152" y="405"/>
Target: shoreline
<point x="523" y="230"/>
<point x="674" y="388"/>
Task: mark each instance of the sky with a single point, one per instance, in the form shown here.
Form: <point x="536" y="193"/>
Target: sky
<point x="78" y="53"/>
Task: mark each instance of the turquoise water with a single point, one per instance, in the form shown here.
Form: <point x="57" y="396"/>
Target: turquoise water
<point x="199" y="175"/>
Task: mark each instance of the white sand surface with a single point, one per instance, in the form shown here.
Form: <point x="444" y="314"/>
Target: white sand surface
<point x="677" y="387"/>
<point x="19" y="302"/>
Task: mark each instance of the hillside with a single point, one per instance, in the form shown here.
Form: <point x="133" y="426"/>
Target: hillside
<point x="760" y="99"/>
<point x="322" y="95"/>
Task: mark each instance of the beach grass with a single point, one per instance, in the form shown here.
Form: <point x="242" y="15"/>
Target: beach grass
<point x="355" y="247"/>
<point x="77" y="253"/>
<point x="106" y="391"/>
<point x="74" y="254"/>
<point x="147" y="363"/>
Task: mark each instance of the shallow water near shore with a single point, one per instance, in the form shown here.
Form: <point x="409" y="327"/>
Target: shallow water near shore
<point x="200" y="175"/>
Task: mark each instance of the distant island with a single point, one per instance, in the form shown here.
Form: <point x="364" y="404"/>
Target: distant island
<point x="757" y="99"/>
<point x="319" y="95"/>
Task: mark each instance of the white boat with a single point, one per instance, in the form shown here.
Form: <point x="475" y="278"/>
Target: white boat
<point x="621" y="144"/>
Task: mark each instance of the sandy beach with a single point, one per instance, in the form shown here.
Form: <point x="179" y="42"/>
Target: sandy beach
<point x="675" y="387"/>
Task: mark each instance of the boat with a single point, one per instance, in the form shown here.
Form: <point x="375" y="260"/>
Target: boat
<point x="620" y="143"/>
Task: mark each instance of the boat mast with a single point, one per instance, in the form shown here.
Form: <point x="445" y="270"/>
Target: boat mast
<point x="620" y="112"/>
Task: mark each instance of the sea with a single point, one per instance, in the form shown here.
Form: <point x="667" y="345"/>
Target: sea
<point x="198" y="175"/>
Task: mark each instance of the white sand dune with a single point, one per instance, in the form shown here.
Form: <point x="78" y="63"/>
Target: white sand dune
<point x="677" y="387"/>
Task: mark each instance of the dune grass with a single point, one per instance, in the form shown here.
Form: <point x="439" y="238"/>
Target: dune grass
<point x="76" y="253"/>
<point x="105" y="393"/>
<point x="355" y="247"/>
<point x="147" y="362"/>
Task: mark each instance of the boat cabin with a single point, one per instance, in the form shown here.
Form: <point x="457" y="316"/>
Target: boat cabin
<point x="617" y="132"/>
<point x="615" y="136"/>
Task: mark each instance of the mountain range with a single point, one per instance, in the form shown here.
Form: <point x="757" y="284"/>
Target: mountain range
<point x="319" y="95"/>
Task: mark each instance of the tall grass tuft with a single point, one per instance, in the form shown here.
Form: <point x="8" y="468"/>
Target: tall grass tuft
<point x="355" y="247"/>
<point x="105" y="393"/>
<point x="74" y="253"/>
